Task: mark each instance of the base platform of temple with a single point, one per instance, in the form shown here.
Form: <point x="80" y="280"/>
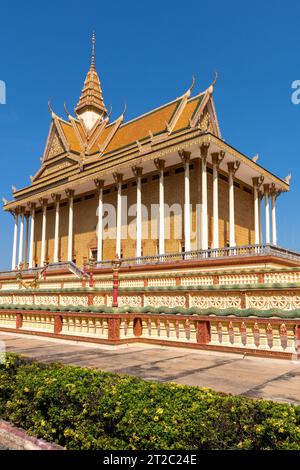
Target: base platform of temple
<point x="242" y="299"/>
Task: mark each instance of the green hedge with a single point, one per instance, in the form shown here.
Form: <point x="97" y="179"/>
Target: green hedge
<point x="87" y="409"/>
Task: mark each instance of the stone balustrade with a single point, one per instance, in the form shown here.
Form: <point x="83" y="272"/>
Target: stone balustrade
<point x="192" y="278"/>
<point x="284" y="299"/>
<point x="44" y="310"/>
<point x="259" y="336"/>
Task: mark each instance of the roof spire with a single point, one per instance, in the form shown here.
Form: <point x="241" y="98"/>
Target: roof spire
<point x="93" y="50"/>
<point x="91" y="99"/>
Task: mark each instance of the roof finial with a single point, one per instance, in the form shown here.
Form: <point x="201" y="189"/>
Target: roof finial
<point x="93" y="50"/>
<point x="212" y="86"/>
<point x="189" y="91"/>
<point x="91" y="98"/>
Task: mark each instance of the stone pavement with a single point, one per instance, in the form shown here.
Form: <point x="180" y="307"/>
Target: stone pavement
<point x="273" y="379"/>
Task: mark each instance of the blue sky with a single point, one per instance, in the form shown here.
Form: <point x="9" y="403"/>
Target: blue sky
<point x="146" y="54"/>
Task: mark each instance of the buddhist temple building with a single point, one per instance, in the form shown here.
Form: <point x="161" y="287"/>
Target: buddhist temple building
<point x="173" y="154"/>
<point x="158" y="216"/>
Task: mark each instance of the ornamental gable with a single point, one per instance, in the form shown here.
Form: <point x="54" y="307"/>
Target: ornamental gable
<point x="56" y="147"/>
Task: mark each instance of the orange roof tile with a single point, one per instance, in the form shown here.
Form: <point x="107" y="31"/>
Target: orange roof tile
<point x="80" y="130"/>
<point x="70" y="136"/>
<point x="101" y="139"/>
<point x="140" y="127"/>
<point x="187" y="113"/>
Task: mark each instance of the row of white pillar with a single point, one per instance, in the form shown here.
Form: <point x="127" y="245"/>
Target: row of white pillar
<point x="30" y="259"/>
<point x="217" y="157"/>
<point x="257" y="213"/>
<point x="185" y="156"/>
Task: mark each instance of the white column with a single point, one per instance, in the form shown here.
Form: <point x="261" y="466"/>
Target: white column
<point x="161" y="213"/>
<point x="215" y="162"/>
<point x="274" y="227"/>
<point x="267" y="213"/>
<point x="198" y="206"/>
<point x="99" y="185"/>
<point x="204" y="224"/>
<point x="231" y="204"/>
<point x="256" y="211"/>
<point x="187" y="209"/>
<point x="21" y="238"/>
<point x="14" y="252"/>
<point x="185" y="157"/>
<point x="56" y="198"/>
<point x="119" y="179"/>
<point x="138" y="173"/>
<point x="26" y="240"/>
<point x="44" y="226"/>
<point x="160" y="165"/>
<point x="259" y="217"/>
<point x="70" y="194"/>
<point x="31" y="243"/>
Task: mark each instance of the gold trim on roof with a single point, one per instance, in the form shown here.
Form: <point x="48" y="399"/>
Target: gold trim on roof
<point x="162" y="151"/>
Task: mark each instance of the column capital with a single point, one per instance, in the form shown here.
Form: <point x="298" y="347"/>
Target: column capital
<point x="217" y="157"/>
<point x="31" y="206"/>
<point x="185" y="156"/>
<point x="274" y="191"/>
<point x="137" y="171"/>
<point x="56" y="197"/>
<point x="118" y="178"/>
<point x="70" y="193"/>
<point x="13" y="212"/>
<point x="43" y="202"/>
<point x="267" y="189"/>
<point x="160" y="164"/>
<point x="22" y="210"/>
<point x="257" y="181"/>
<point x="233" y="167"/>
<point x="204" y="150"/>
<point x="99" y="183"/>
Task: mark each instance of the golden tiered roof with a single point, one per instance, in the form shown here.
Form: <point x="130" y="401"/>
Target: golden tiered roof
<point x="72" y="150"/>
<point x="91" y="98"/>
<point x="107" y="137"/>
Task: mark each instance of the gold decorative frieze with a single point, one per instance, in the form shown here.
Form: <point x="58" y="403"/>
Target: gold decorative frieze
<point x="56" y="168"/>
<point x="224" y="301"/>
<point x="165" y="300"/>
<point x="130" y="301"/>
<point x="74" y="300"/>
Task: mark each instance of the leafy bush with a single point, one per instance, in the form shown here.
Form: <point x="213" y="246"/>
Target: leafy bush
<point x="88" y="409"/>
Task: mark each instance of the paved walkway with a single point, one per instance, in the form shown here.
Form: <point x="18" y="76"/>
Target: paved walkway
<point x="272" y="379"/>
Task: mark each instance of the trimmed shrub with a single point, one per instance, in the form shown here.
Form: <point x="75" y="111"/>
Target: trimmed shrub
<point x="88" y="409"/>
